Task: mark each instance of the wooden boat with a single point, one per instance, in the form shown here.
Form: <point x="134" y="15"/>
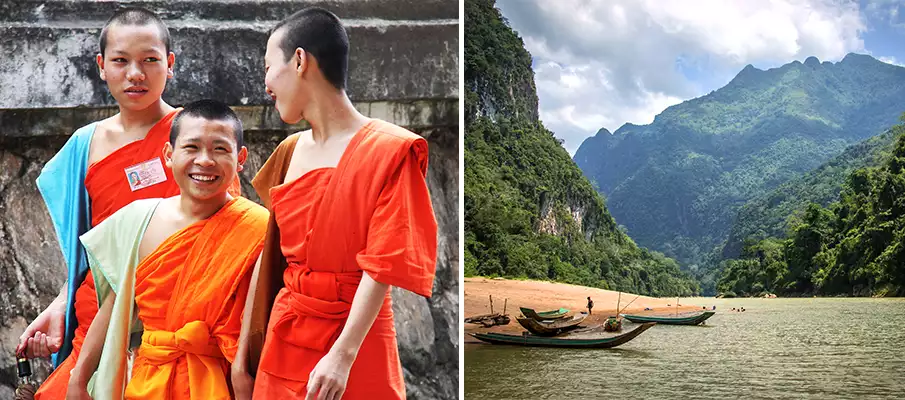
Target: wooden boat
<point x="543" y="315"/>
<point x="551" y="328"/>
<point x="689" y="320"/>
<point x="583" y="343"/>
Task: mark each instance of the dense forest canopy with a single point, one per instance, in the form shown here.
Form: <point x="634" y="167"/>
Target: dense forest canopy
<point x="854" y="246"/>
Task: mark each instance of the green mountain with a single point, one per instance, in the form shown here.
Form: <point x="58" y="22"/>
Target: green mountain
<point x="678" y="183"/>
<point x="853" y="247"/>
<point x="774" y="213"/>
<point x="529" y="210"/>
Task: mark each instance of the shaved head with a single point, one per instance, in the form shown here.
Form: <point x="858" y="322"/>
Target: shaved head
<point x="320" y="33"/>
<point x="211" y="110"/>
<point x="139" y="17"/>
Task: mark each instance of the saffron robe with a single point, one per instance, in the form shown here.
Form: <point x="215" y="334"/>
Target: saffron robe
<point x="371" y="214"/>
<point x="188" y="294"/>
<point x="78" y="197"/>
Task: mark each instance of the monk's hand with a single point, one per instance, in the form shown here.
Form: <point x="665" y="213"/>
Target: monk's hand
<point x="328" y="378"/>
<point x="243" y="383"/>
<point x="44" y="336"/>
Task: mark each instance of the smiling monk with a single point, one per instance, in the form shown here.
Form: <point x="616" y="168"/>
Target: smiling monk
<point x="183" y="263"/>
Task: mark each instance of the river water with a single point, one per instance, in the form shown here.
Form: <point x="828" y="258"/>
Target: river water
<point x="819" y="348"/>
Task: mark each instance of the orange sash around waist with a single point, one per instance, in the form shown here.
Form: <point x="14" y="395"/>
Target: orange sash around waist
<point x="319" y="310"/>
<point x="164" y="349"/>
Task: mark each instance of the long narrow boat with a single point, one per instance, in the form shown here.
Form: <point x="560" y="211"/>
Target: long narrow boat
<point x="543" y="315"/>
<point x="582" y="343"/>
<point x="689" y="320"/>
<point x="551" y="328"/>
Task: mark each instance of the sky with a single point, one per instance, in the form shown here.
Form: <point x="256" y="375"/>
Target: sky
<point x="603" y="63"/>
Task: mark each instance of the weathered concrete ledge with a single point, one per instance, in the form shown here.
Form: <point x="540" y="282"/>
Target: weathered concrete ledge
<point x="400" y="49"/>
<point x="416" y="115"/>
<point x="54" y="66"/>
<point x="56" y="10"/>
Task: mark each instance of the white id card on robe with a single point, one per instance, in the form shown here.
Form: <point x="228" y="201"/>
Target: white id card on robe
<point x="145" y="174"/>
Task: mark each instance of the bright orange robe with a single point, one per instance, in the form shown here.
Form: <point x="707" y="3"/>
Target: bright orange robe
<point x="109" y="190"/>
<point x="372" y="213"/>
<point x="190" y="295"/>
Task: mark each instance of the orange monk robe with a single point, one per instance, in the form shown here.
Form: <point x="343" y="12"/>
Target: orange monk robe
<point x="189" y="295"/>
<point x="109" y="190"/>
<point x="372" y="213"/>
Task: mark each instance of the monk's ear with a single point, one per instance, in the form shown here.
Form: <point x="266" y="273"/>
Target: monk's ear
<point x="168" y="154"/>
<point x="100" y="66"/>
<point x="171" y="63"/>
<point x="300" y="58"/>
<point x="243" y="156"/>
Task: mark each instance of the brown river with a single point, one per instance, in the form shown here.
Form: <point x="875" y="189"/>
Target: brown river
<point x="817" y="348"/>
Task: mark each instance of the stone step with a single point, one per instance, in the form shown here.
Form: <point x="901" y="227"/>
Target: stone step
<point x="226" y="10"/>
<point x="419" y="116"/>
<point x="48" y="65"/>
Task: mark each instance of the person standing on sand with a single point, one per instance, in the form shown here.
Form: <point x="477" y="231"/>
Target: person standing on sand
<point x="590" y="305"/>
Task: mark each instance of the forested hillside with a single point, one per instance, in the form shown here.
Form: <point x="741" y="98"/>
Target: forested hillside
<point x="529" y="210"/>
<point x="678" y="183"/>
<point x="854" y="246"/>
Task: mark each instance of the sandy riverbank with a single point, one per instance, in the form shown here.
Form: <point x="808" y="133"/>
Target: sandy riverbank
<point x="545" y="296"/>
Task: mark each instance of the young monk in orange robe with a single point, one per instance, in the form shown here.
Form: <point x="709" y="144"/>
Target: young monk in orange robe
<point x="109" y="190"/>
<point x="353" y="216"/>
<point x="135" y="60"/>
<point x="196" y="253"/>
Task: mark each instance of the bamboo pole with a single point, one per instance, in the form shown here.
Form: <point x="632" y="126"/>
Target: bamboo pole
<point x="504" y="305"/>
<point x="491" y="304"/>
<point x="629" y="303"/>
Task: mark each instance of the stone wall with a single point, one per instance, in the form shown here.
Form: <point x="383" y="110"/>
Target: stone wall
<point x="403" y="69"/>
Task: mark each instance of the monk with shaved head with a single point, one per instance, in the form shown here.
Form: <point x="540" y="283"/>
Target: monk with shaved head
<point x="352" y="216"/>
<point x="103" y="167"/>
<point x="183" y="264"/>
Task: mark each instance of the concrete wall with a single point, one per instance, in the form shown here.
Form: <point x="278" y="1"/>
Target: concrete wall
<point x="403" y="69"/>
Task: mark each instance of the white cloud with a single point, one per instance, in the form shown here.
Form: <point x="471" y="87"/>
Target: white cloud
<point x="602" y="63"/>
<point x="886" y="11"/>
<point x="891" y="60"/>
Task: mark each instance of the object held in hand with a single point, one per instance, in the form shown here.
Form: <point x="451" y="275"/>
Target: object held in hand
<point x="26" y="388"/>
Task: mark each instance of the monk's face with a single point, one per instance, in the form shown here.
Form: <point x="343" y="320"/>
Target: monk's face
<point x="204" y="157"/>
<point x="135" y="65"/>
<point x="284" y="80"/>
